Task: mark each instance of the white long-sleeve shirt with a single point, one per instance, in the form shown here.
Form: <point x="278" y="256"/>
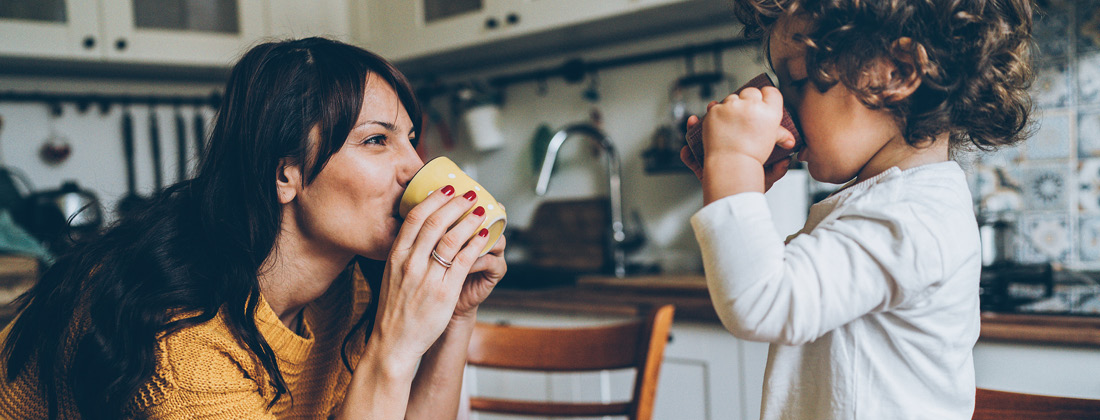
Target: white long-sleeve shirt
<point x="872" y="309"/>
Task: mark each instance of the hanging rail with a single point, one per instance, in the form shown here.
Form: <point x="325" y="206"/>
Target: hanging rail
<point x="104" y="101"/>
<point x="576" y="69"/>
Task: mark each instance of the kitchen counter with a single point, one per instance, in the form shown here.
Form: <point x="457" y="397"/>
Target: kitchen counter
<point x="632" y="296"/>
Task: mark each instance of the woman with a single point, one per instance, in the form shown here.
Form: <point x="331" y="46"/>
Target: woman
<point x="244" y="292"/>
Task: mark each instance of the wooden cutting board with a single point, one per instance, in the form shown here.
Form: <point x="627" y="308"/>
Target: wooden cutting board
<point x="569" y="234"/>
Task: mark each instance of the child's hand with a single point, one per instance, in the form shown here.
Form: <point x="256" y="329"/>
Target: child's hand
<point x="745" y="124"/>
<point x="772" y="172"/>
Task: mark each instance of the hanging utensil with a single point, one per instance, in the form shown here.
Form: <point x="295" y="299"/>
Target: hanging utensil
<point x="56" y="148"/>
<point x="131" y="201"/>
<point x="200" y="134"/>
<point x="154" y="147"/>
<point x="181" y="146"/>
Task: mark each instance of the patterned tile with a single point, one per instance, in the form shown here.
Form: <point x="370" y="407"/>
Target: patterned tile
<point x="1051" y="140"/>
<point x="1088" y="78"/>
<point x="1052" y="30"/>
<point x="1088" y="24"/>
<point x="1089" y="239"/>
<point x="1052" y="80"/>
<point x="1088" y="133"/>
<point x="1044" y="237"/>
<point x="997" y="189"/>
<point x="1005" y="156"/>
<point x="1088" y="181"/>
<point x="1045" y="186"/>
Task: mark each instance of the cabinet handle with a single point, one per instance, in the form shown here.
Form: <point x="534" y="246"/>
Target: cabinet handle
<point x="670" y="338"/>
<point x="120" y="44"/>
<point x="89" y="42"/>
<point x="491" y="23"/>
<point x="512" y="18"/>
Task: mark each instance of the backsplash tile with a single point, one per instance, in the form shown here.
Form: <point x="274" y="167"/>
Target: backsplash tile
<point x="1088" y="21"/>
<point x="1045" y="186"/>
<point x="1052" y="32"/>
<point x="1088" y="78"/>
<point x="1089" y="244"/>
<point x="1051" y="183"/>
<point x="1051" y="140"/>
<point x="1088" y="182"/>
<point x="1045" y="237"/>
<point x="1088" y="133"/>
<point x="1052" y="80"/>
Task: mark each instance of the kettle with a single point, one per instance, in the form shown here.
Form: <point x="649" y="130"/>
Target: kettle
<point x="67" y="212"/>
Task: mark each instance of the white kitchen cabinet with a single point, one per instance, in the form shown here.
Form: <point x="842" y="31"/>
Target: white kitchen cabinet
<point x="288" y="19"/>
<point x="1038" y="369"/>
<point x="50" y="29"/>
<point x="401" y="30"/>
<point x="182" y="32"/>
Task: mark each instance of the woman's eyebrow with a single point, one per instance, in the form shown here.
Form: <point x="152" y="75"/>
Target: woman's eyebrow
<point x="386" y="125"/>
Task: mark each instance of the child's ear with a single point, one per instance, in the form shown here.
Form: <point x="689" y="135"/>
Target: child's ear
<point x="903" y="70"/>
<point x="288" y="180"/>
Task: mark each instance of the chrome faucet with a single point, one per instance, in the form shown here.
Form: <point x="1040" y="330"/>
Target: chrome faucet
<point x="614" y="175"/>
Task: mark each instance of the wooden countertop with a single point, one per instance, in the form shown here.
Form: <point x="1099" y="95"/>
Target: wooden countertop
<point x="595" y="294"/>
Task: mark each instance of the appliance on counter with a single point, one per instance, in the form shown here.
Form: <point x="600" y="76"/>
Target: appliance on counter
<point x="1005" y="286"/>
<point x="57" y="217"/>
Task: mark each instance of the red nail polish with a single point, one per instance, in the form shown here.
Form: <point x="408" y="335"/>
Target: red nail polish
<point x="470" y="195"/>
<point x="479" y="211"/>
<point x="448" y="190"/>
<point x="483" y="233"/>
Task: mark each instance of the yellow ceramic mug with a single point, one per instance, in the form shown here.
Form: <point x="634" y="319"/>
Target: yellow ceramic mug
<point x="442" y="171"/>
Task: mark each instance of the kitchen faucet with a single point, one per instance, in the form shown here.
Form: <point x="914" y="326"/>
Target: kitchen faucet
<point x="597" y="136"/>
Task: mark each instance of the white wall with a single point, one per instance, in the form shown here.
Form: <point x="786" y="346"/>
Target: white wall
<point x="96" y="162"/>
<point x="634" y="103"/>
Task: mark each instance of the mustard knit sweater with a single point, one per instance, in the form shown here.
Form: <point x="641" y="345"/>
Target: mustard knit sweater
<point x="202" y="372"/>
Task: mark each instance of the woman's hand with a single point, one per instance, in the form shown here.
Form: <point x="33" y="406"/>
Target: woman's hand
<point x="484" y="275"/>
<point x="418" y="294"/>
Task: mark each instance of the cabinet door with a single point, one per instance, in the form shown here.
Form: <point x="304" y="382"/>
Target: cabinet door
<point x="190" y="32"/>
<point x="49" y="28"/>
<point x="400" y="30"/>
<point x="291" y="19"/>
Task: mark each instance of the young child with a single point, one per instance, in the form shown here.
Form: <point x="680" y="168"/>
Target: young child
<point x="872" y="308"/>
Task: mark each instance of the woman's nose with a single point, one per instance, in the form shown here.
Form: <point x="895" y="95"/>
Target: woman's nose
<point x="408" y="165"/>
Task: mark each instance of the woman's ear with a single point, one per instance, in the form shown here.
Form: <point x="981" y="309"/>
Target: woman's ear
<point x="288" y="180"/>
<point x="903" y="70"/>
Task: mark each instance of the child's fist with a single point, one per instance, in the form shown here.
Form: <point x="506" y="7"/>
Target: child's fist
<point x="746" y="123"/>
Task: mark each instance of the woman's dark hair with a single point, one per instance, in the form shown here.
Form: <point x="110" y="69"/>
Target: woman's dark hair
<point x="92" y="321"/>
<point x="972" y="57"/>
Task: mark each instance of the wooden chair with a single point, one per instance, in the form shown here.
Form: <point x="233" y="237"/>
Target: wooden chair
<point x="1001" y="405"/>
<point x="638" y="344"/>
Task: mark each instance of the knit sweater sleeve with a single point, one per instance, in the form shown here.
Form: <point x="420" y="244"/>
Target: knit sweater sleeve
<point x="202" y="372"/>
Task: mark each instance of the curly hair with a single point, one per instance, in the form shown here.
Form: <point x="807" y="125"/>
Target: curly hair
<point x="972" y="58"/>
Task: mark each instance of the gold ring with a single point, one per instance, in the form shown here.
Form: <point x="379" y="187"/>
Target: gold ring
<point x="441" y="261"/>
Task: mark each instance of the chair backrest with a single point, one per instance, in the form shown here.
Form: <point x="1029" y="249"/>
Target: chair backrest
<point x="1001" y="405"/>
<point x="638" y="344"/>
